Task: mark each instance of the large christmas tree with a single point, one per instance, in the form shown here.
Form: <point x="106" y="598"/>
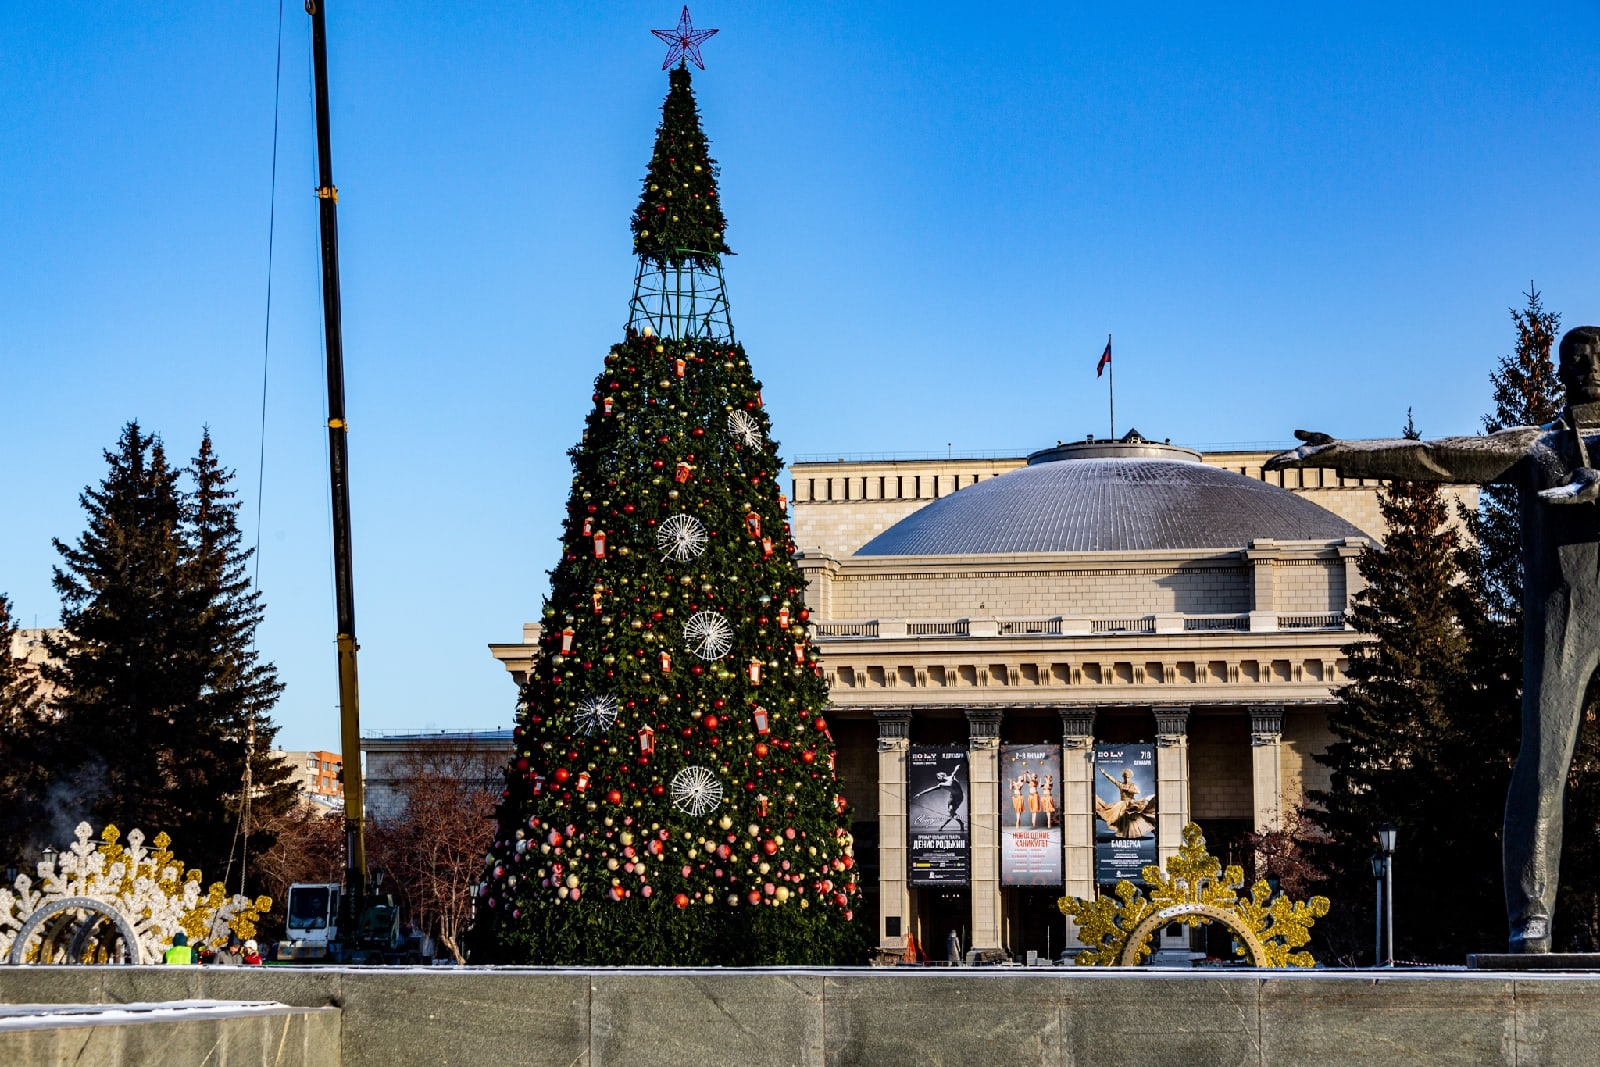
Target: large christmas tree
<point x="672" y="797"/>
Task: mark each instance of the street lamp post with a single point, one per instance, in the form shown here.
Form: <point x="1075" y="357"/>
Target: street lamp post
<point x="1386" y="837"/>
<point x="1377" y="909"/>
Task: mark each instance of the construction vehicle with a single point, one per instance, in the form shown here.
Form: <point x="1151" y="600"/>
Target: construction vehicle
<point x="315" y="932"/>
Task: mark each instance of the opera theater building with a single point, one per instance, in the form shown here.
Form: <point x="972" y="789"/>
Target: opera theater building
<point x="1041" y="669"/>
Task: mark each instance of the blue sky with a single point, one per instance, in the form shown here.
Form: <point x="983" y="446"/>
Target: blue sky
<point x="1286" y="218"/>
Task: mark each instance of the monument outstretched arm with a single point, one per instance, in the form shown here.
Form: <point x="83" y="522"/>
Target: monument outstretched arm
<point x="1479" y="460"/>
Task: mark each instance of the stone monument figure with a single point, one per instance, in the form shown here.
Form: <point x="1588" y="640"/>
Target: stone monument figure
<point x="1558" y="486"/>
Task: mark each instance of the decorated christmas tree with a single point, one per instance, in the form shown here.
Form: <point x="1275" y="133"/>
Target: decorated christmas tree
<point x="672" y="796"/>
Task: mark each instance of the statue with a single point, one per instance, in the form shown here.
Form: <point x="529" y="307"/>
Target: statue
<point x="1558" y="485"/>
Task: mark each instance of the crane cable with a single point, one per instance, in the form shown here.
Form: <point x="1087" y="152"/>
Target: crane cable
<point x="242" y="827"/>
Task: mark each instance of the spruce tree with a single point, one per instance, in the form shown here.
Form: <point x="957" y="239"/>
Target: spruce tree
<point x="22" y="756"/>
<point x="161" y="691"/>
<point x="672" y="798"/>
<point x="237" y="690"/>
<point x="1395" y="728"/>
<point x="124" y="668"/>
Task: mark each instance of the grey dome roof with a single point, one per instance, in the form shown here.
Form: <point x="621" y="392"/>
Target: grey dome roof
<point x="1108" y="505"/>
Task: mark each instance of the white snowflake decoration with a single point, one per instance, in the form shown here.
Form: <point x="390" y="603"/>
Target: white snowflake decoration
<point x="154" y="902"/>
<point x="595" y="714"/>
<point x="696" y="791"/>
<point x="708" y="635"/>
<point x="744" y="428"/>
<point x="682" y="537"/>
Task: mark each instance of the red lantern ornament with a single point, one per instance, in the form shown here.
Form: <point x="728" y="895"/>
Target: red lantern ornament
<point x="566" y="639"/>
<point x="678" y="365"/>
<point x="600" y="544"/>
<point x="766" y="548"/>
<point x="783" y="502"/>
<point x="752" y="522"/>
<point x="761" y="806"/>
<point x="783" y="618"/>
<point x="647" y="740"/>
<point x="588" y="527"/>
<point x="597" y="601"/>
<point x="759" y="713"/>
<point x="755" y="672"/>
<point x="666" y="663"/>
<point x="681" y="475"/>
<point x="799" y="652"/>
<point x="607" y="403"/>
<point x="583" y="781"/>
<point x="538" y="784"/>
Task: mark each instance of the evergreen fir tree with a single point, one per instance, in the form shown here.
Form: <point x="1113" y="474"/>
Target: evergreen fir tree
<point x="22" y="735"/>
<point x="161" y="689"/>
<point x="1394" y="759"/>
<point x="125" y="667"/>
<point x="236" y="689"/>
<point x="672" y="798"/>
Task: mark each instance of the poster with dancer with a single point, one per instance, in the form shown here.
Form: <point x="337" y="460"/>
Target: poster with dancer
<point x="1030" y="815"/>
<point x="938" y="817"/>
<point x="1124" y="811"/>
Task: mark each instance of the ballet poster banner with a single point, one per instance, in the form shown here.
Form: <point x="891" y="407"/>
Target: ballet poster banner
<point x="936" y="779"/>
<point x="1030" y="815"/>
<point x="1124" y="811"/>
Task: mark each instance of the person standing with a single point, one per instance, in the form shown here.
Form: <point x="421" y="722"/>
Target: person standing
<point x="180" y="953"/>
<point x="252" y="953"/>
<point x="229" y="954"/>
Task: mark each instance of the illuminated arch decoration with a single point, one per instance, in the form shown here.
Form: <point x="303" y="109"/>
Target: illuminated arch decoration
<point x="1194" y="890"/>
<point x="101" y="901"/>
<point x="63" y="912"/>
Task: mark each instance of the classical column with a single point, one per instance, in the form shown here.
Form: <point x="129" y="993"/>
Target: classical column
<point x="894" y="897"/>
<point x="983" y="740"/>
<point x="1077" y="801"/>
<point x="1172" y="779"/>
<point x="1266" y="775"/>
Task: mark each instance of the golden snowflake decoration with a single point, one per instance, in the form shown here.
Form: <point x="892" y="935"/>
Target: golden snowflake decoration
<point x="149" y="890"/>
<point x="1195" y="890"/>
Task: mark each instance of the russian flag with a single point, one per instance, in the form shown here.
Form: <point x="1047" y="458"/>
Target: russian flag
<point x="1105" y="357"/>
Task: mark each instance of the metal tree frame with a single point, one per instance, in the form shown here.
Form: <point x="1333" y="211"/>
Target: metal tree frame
<point x="683" y="301"/>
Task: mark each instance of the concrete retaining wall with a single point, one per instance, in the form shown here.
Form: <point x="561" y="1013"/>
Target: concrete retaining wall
<point x="880" y="1018"/>
<point x="186" y="1032"/>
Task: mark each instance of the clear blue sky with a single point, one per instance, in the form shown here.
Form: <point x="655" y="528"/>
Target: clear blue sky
<point x="1286" y="218"/>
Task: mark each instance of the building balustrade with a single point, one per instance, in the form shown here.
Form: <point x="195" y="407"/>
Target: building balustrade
<point x="1076" y="625"/>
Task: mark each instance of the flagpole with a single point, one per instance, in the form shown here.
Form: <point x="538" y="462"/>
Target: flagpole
<point x="1111" y="387"/>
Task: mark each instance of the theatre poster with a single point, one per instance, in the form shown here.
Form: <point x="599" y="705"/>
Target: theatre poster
<point x="1124" y="811"/>
<point x="1030" y="815"/>
<point x="939" y="818"/>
